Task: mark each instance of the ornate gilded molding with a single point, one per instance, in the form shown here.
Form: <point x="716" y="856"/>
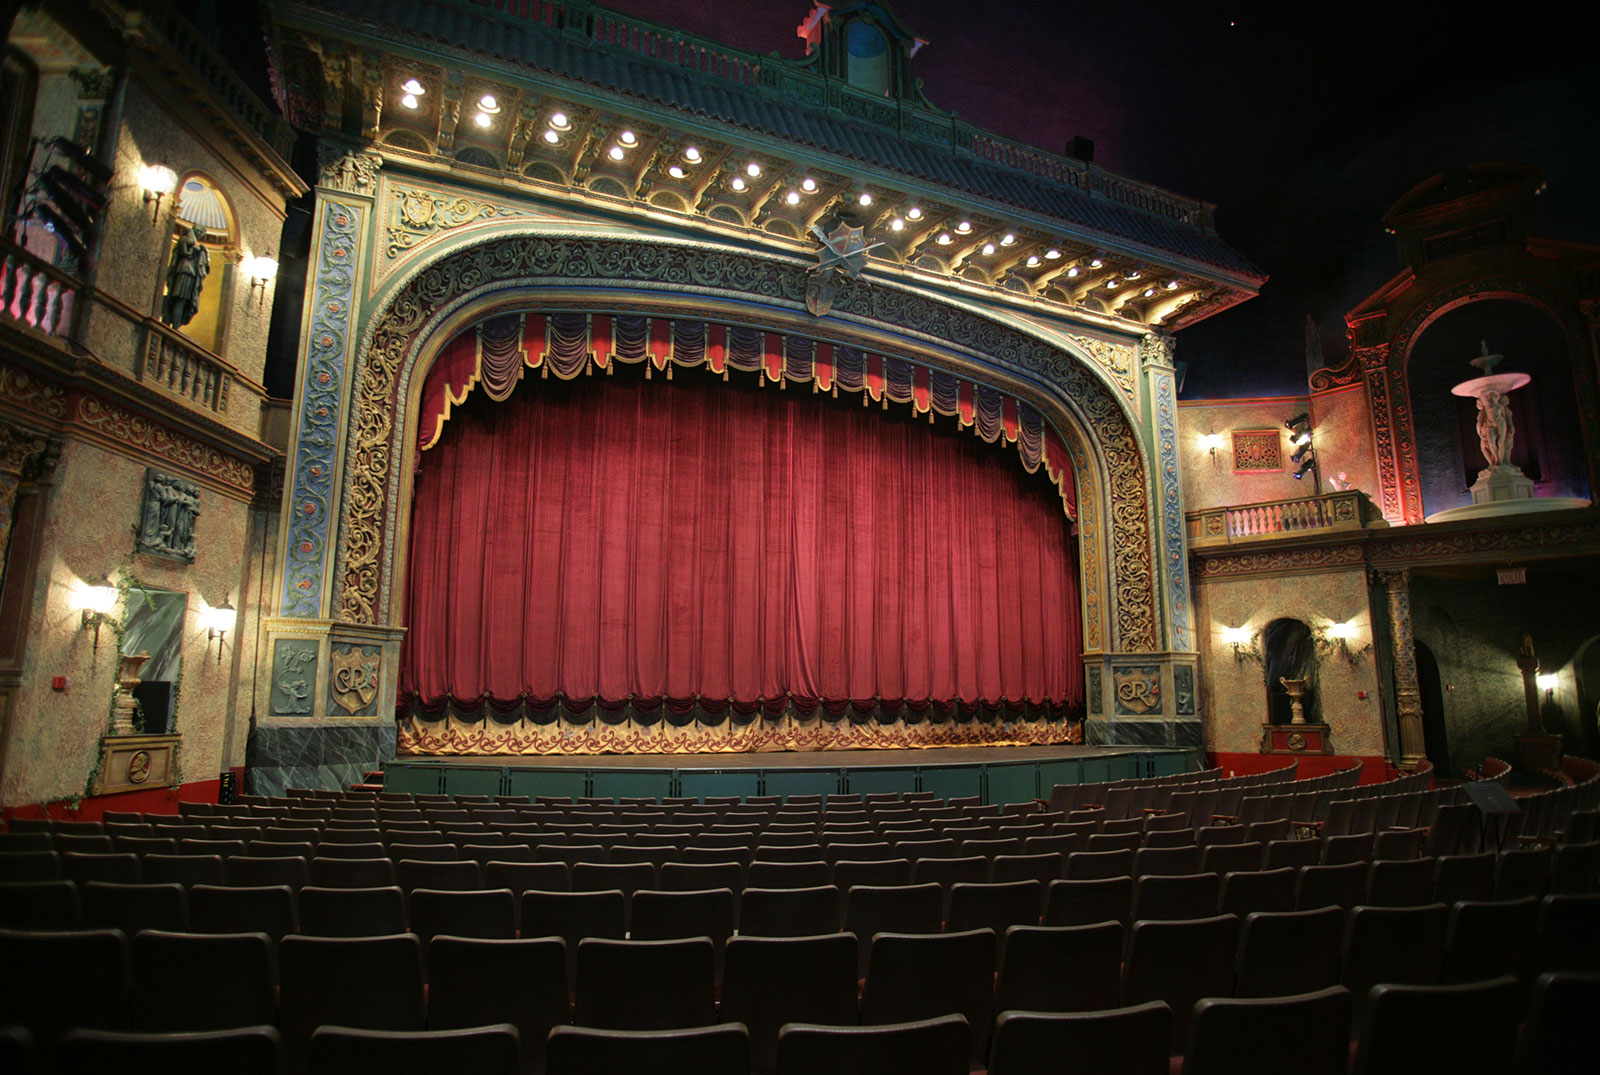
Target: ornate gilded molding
<point x="309" y="509"/>
<point x="346" y="171"/>
<point x="1396" y="583"/>
<point x="1330" y="377"/>
<point x="115" y="424"/>
<point x="392" y="356"/>
<point x="1088" y="548"/>
<point x="416" y="215"/>
<point x="1156" y="351"/>
<point x="31" y="395"/>
<point x="1398" y="547"/>
<point x="1281" y="561"/>
<point x="1115" y="360"/>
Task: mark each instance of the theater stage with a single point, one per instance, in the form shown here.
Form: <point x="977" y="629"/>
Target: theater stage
<point x="995" y="774"/>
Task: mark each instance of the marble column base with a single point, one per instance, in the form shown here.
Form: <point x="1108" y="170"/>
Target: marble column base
<point x="1501" y="483"/>
<point x="1126" y="731"/>
<point x="331" y="757"/>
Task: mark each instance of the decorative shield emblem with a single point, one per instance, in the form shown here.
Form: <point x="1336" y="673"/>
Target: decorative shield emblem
<point x="354" y="678"/>
<point x="1138" y="690"/>
<point x="416" y="210"/>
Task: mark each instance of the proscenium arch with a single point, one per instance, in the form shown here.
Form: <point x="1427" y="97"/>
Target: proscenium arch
<point x="471" y="282"/>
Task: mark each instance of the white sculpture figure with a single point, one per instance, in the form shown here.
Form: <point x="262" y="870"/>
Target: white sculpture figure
<point x="1495" y="432"/>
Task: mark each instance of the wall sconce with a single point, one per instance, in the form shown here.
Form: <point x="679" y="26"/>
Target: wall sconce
<point x="219" y="621"/>
<point x="157" y="181"/>
<point x="1245" y="642"/>
<point x="260" y="268"/>
<point x="1547" y="683"/>
<point x="1340" y="634"/>
<point x="97" y="599"/>
<point x="1210" y="442"/>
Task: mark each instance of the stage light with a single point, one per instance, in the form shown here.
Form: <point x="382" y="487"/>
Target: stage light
<point x="409" y="101"/>
<point x="482" y="119"/>
<point x="559" y="121"/>
<point x="628" y="138"/>
<point x="988" y="249"/>
<point x="616" y="153"/>
<point x="944" y="238"/>
<point x="691" y="154"/>
<point x="1052" y="254"/>
<point x="1072" y="272"/>
<point x="1007" y="239"/>
<point x="808" y="184"/>
<point x="413" y="87"/>
<point x="793" y="197"/>
<point x="1096" y="263"/>
<point x="1172" y="285"/>
<point x="1149" y="291"/>
<point x="1033" y="261"/>
<point x="1134" y="275"/>
<point x="913" y="213"/>
<point x="964" y="227"/>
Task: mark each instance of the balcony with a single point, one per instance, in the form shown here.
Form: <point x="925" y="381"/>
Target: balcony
<point x="35" y="293"/>
<point x="1349" y="509"/>
<point x="182" y="368"/>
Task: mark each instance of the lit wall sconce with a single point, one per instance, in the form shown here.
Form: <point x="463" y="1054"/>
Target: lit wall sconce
<point x="96" y="600"/>
<point x="1245" y="642"/>
<point x="1547" y="683"/>
<point x="157" y="181"/>
<point x="1340" y="635"/>
<point x="260" y="269"/>
<point x="219" y="621"/>
<point x="1210" y="442"/>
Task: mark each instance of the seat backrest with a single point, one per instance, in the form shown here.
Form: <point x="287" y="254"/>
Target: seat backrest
<point x="202" y="981"/>
<point x="1282" y="953"/>
<point x="1410" y="1028"/>
<point x="1400" y="883"/>
<point x="1115" y="1041"/>
<point x="39" y="905"/>
<point x="131" y="908"/>
<point x="1463" y="877"/>
<point x="1176" y="897"/>
<point x="770" y="981"/>
<point x="473" y="981"/>
<point x="923" y="976"/>
<point x="1085" y="902"/>
<point x="270" y="909"/>
<point x="645" y="985"/>
<point x="1180" y="962"/>
<point x="709" y="1050"/>
<point x="1032" y="959"/>
<point x="250" y="1050"/>
<point x="1096" y="865"/>
<point x="352" y="912"/>
<point x="938" y="1046"/>
<point x="1399" y="945"/>
<point x="789" y="912"/>
<point x="1487" y="939"/>
<point x="572" y="916"/>
<point x="1230" y="1036"/>
<point x="484" y="1050"/>
<point x="1343" y="885"/>
<point x="89" y="966"/>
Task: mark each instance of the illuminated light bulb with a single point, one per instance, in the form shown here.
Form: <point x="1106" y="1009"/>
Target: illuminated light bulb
<point x="1134" y="275"/>
<point x="616" y="153"/>
<point x="808" y="184"/>
<point x="1172" y="285"/>
<point x="1149" y="291"/>
<point x="1112" y="282"/>
<point x="1072" y="272"/>
<point x="913" y="213"/>
<point x="552" y="137"/>
<point x="793" y="197"/>
<point x="964" y="227"/>
<point x="676" y="171"/>
<point x="738" y="182"/>
<point x="944" y="238"/>
<point x="897" y="224"/>
<point x="1096" y="263"/>
<point x="865" y="199"/>
<point x="691" y="154"/>
<point x="413" y="87"/>
<point x="487" y="103"/>
<point x="1052" y="254"/>
<point x="753" y="170"/>
<point x="1033" y="261"/>
<point x="559" y="121"/>
<point x="988" y="248"/>
<point x="481" y="119"/>
<point x="409" y="101"/>
<point x="628" y="138"/>
<point x="1008" y="239"/>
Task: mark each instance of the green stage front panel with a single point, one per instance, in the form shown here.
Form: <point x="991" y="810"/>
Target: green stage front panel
<point x="1168" y="763"/>
<point x="705" y="783"/>
<point x="406" y="778"/>
<point x="568" y="783"/>
<point x="953" y="781"/>
<point x="788" y="782"/>
<point x="1097" y="769"/>
<point x="631" y="783"/>
<point x="1013" y="783"/>
<point x="1051" y="773"/>
<point x="880" y="781"/>
<point x="465" y="780"/>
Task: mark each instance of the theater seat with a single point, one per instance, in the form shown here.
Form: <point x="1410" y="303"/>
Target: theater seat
<point x="925" y="1047"/>
<point x="711" y="1050"/>
<point x="252" y="1050"/>
<point x="1116" y="1041"/>
<point x="1306" y="1033"/>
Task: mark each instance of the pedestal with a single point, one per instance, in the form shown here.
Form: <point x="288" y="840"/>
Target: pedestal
<point x="135" y="763"/>
<point x="1296" y="739"/>
<point x="1501" y="483"/>
<point x="1539" y="751"/>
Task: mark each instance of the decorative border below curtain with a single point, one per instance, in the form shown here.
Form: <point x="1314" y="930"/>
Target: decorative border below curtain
<point x="496" y="353"/>
<point x="454" y="736"/>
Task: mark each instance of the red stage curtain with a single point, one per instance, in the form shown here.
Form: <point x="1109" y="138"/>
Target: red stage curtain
<point x="623" y="539"/>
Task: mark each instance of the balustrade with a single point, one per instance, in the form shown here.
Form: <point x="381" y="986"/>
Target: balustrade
<point x="35" y="293"/>
<point x="1344" y="510"/>
<point x="176" y="365"/>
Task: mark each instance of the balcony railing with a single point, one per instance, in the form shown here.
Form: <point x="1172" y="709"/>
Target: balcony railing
<point x="1349" y="509"/>
<point x="181" y="367"/>
<point x="35" y="293"/>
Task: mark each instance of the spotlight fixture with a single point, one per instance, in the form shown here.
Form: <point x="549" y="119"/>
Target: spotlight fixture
<point x="413" y="87"/>
<point x="616" y="153"/>
<point x="1007" y="239"/>
<point x="944" y="238"/>
<point x="914" y="213"/>
<point x="1072" y="272"/>
<point x="628" y="138"/>
<point x="691" y="154"/>
<point x="552" y="136"/>
<point x="1172" y="285"/>
<point x="808" y="184"/>
<point x="676" y="171"/>
<point x="897" y="224"/>
<point x="753" y="170"/>
<point x="409" y="100"/>
<point x="1149" y="292"/>
<point x="559" y="121"/>
<point x="737" y="182"/>
<point x="1052" y="254"/>
<point x="482" y="119"/>
<point x="988" y="249"/>
<point x="1096" y="263"/>
<point x="793" y="197"/>
<point x="1111" y="282"/>
<point x="964" y="227"/>
<point x="219" y="621"/>
<point x="1033" y="261"/>
<point x="1134" y="274"/>
<point x="489" y="103"/>
<point x="864" y="199"/>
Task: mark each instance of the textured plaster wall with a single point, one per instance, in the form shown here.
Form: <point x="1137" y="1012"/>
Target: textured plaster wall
<point x="1234" y="694"/>
<point x="1473" y="626"/>
<point x="134" y="251"/>
<point x="1210" y="481"/>
<point x="93" y="505"/>
<point x="1342" y="423"/>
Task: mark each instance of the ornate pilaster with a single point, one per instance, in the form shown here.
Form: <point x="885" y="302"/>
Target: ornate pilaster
<point x="1156" y="350"/>
<point x="18" y="448"/>
<point x="1374" y="362"/>
<point x="1407" y="694"/>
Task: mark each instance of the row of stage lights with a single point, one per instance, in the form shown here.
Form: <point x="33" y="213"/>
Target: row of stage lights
<point x="559" y="123"/>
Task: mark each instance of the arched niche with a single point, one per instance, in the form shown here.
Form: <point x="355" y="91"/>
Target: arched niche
<point x="1548" y="443"/>
<point x="1288" y="651"/>
<point x="459" y="287"/>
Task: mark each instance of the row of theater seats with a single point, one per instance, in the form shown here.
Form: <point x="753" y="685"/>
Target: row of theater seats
<point x="191" y="982"/>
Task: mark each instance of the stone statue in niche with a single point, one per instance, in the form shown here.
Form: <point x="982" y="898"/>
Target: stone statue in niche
<point x="167" y="516"/>
<point x="186" y="275"/>
<point x="1495" y="432"/>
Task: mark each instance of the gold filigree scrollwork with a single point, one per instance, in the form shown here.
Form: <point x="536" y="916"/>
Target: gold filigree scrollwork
<point x="416" y="215"/>
<point x="1115" y="360"/>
